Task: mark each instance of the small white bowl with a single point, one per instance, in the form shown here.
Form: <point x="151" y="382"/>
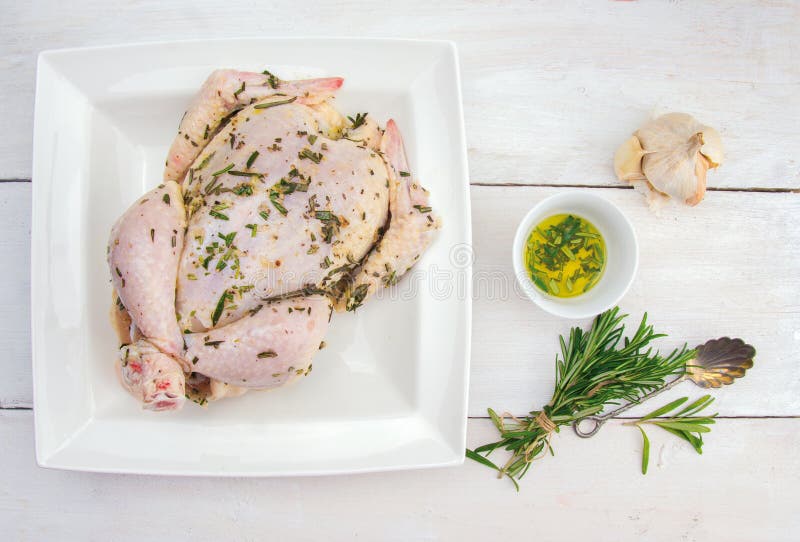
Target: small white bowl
<point x="622" y="254"/>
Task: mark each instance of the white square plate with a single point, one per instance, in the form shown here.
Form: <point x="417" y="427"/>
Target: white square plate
<point x="389" y="391"/>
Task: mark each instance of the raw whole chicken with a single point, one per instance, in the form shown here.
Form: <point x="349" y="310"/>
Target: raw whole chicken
<point x="274" y="211"/>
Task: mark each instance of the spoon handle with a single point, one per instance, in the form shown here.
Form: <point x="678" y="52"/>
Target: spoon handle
<point x="598" y="421"/>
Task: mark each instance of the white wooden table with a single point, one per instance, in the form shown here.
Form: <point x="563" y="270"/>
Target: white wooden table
<point x="550" y="90"/>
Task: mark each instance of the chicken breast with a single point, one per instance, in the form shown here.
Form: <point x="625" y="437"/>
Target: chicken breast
<point x="275" y="205"/>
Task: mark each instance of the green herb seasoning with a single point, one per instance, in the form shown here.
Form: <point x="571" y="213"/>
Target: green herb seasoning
<point x="565" y="255"/>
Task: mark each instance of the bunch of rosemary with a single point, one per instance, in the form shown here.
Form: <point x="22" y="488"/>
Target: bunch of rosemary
<point x="596" y="369"/>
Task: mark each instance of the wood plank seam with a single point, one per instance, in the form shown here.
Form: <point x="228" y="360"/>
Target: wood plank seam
<point x="755" y="417"/>
<point x="625" y="187"/>
<point x="617" y="186"/>
<point x="742" y="417"/>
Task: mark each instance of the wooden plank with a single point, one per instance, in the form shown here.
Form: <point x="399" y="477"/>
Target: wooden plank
<point x="742" y="488"/>
<point x="549" y="90"/>
<point x="725" y="267"/>
<point x="745" y="280"/>
<point x="15" y="288"/>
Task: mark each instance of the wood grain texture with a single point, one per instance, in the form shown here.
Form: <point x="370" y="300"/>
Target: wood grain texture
<point x="704" y="272"/>
<point x="591" y="490"/>
<point x="15" y="288"/>
<point x="549" y="90"/>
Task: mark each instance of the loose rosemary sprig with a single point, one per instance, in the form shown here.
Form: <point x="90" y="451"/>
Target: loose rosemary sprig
<point x="596" y="369"/>
<point x="683" y="424"/>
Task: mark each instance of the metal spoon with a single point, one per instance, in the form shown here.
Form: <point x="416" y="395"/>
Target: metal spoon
<point x="717" y="362"/>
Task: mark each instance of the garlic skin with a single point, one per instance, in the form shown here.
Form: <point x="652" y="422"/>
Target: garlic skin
<point x="672" y="153"/>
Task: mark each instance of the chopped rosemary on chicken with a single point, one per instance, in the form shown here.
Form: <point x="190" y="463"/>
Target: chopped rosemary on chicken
<point x="307" y="153"/>
<point x="360" y="119"/>
<point x="278" y="205"/>
<point x="223" y="170"/>
<point x="272" y="81"/>
<point x="252" y="159"/>
<point x="205" y="161"/>
<point x="224" y="298"/>
<point x="273" y="104"/>
<point x="236" y="94"/>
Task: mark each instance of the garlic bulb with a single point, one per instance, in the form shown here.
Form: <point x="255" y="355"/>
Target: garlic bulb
<point x="671" y="154"/>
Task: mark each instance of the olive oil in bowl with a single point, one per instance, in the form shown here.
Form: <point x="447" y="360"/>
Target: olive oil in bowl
<point x="565" y="255"/>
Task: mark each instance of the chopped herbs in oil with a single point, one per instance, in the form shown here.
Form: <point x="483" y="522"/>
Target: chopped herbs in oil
<point x="565" y="255"/>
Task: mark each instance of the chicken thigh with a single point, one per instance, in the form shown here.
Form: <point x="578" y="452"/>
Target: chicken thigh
<point x="274" y="209"/>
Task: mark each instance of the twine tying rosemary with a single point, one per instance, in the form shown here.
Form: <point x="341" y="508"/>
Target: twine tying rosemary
<point x="544" y="422"/>
<point x="533" y="450"/>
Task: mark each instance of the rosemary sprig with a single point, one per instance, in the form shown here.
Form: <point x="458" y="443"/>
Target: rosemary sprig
<point x="596" y="369"/>
<point x="683" y="424"/>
